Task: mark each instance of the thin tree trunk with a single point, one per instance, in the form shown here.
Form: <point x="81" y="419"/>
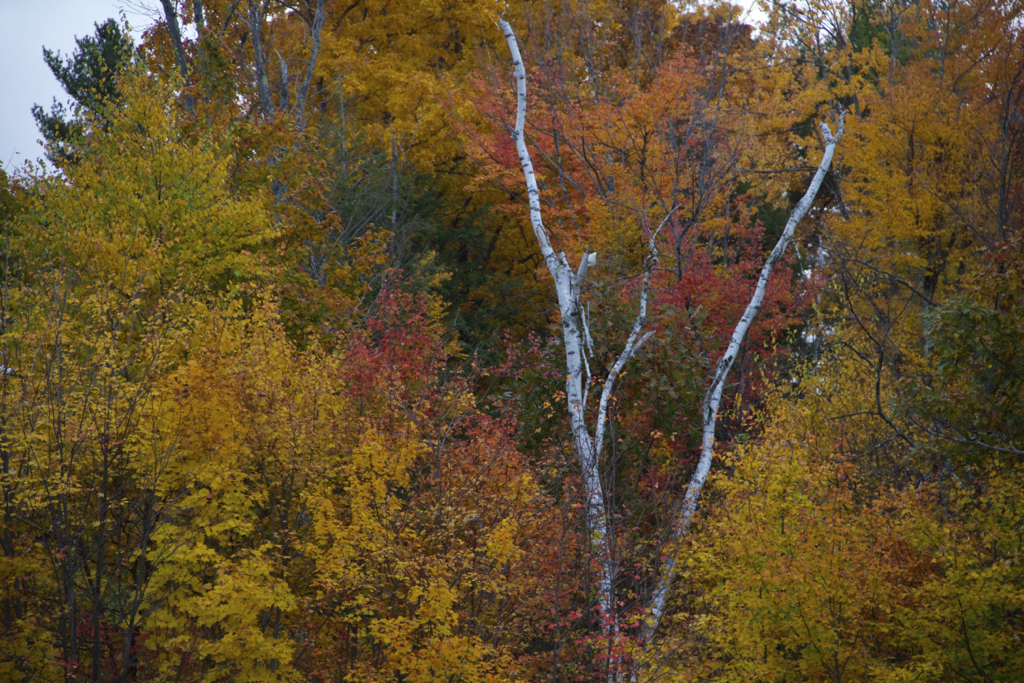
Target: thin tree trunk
<point x="577" y="343"/>
<point x="300" y="99"/>
<point x="171" y="17"/>
<point x="262" y="84"/>
<point x="713" y="398"/>
<point x="284" y="82"/>
<point x="197" y="13"/>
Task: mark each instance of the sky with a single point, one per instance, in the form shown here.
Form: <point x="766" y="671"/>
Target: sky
<point x="25" y="27"/>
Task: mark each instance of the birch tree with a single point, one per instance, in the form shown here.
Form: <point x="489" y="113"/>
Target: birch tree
<point x="578" y="346"/>
<point x="713" y="398"/>
<point x="588" y="444"/>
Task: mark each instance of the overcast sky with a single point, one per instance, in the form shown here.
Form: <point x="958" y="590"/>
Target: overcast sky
<point x="25" y="27"/>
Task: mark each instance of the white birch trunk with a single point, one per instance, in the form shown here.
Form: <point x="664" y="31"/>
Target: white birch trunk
<point x="576" y="339"/>
<point x="572" y="339"/>
<point x="713" y="398"/>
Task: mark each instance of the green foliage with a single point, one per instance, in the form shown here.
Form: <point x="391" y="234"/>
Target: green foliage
<point x="89" y="77"/>
<point x="974" y="400"/>
<point x="146" y="210"/>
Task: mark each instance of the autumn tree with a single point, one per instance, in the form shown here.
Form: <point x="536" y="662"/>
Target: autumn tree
<point x="176" y="463"/>
<point x="809" y="568"/>
<point x="103" y="268"/>
<point x="926" y="198"/>
<point x="858" y="512"/>
<point x="245" y="435"/>
<point x="578" y="345"/>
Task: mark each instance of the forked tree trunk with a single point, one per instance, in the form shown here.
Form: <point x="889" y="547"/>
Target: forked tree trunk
<point x="576" y="339"/>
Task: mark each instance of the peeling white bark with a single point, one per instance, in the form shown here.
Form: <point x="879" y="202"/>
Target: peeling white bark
<point x="713" y="398"/>
<point x="568" y="303"/>
<point x="577" y="343"/>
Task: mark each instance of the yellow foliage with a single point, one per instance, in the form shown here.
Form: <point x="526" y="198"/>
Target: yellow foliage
<point x="810" y="571"/>
<point x="147" y="209"/>
<point x="247" y="416"/>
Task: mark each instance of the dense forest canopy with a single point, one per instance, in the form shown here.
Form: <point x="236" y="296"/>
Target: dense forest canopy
<point x="323" y="359"/>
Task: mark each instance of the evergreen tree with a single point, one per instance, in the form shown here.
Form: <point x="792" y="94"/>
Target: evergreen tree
<point x="89" y="77"/>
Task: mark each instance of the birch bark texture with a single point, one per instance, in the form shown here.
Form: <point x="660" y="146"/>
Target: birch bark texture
<point x="683" y="519"/>
<point x="576" y="339"/>
<point x="577" y="344"/>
